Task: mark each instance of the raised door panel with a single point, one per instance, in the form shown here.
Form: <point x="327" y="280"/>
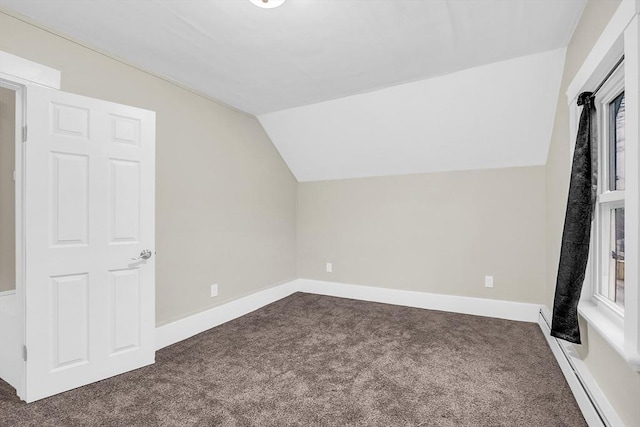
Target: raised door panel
<point x="125" y="310"/>
<point x="69" y="321"/>
<point x="69" y="199"/>
<point x="69" y="120"/>
<point x="124" y="221"/>
<point x="125" y="130"/>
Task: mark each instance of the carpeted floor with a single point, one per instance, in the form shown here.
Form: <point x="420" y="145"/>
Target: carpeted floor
<point x="311" y="360"/>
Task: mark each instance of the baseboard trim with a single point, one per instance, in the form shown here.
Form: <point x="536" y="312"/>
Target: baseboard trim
<point x="594" y="405"/>
<point x="185" y="328"/>
<point x="510" y="310"/>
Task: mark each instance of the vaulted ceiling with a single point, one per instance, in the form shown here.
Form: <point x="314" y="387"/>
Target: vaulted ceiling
<point x="493" y="116"/>
<point x="351" y="87"/>
<point x="307" y="51"/>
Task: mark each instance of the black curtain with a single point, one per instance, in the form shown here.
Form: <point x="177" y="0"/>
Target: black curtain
<point x="574" y="252"/>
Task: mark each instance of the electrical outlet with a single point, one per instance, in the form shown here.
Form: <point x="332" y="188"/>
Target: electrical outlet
<point x="329" y="267"/>
<point x="214" y="290"/>
<point x="488" y="281"/>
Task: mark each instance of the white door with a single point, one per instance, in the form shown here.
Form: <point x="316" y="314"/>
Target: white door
<point x="89" y="209"/>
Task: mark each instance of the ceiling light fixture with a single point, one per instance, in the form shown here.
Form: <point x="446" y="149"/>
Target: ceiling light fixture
<point x="267" y="4"/>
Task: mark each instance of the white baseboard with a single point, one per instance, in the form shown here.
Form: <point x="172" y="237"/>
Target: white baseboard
<point x="594" y="405"/>
<point x="467" y="305"/>
<point x="192" y="325"/>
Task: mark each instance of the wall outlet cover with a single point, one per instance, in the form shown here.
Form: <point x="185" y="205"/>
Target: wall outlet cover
<point x="488" y="281"/>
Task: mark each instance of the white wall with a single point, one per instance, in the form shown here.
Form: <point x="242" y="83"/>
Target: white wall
<point x="494" y="116"/>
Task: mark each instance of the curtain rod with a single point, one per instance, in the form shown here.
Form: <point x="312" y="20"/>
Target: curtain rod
<point x="613" y="70"/>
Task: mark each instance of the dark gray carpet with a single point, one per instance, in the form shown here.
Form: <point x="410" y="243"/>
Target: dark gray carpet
<point x="311" y="360"/>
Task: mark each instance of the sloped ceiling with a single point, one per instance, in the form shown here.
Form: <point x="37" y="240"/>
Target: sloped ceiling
<point x="353" y="88"/>
<point x="492" y="116"/>
<point x="306" y="51"/>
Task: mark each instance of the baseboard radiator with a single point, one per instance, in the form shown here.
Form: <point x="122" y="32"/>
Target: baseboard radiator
<point x="594" y="406"/>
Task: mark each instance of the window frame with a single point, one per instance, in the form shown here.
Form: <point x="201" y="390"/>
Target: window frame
<point x="606" y="199"/>
<point x="620" y="37"/>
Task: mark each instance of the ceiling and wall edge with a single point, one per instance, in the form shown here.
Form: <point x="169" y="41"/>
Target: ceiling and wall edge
<point x="36" y="24"/>
<point x="43" y="27"/>
<point x="311" y="156"/>
<point x="265" y="61"/>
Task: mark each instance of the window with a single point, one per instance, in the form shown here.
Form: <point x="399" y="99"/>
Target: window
<point x="608" y="252"/>
<point x="610" y="299"/>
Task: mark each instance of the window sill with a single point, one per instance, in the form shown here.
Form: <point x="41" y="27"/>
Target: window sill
<point x="608" y="324"/>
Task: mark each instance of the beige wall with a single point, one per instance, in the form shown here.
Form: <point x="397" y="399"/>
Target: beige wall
<point x="440" y="232"/>
<point x="7" y="191"/>
<point x="225" y="200"/>
<point x="226" y="206"/>
<point x="617" y="380"/>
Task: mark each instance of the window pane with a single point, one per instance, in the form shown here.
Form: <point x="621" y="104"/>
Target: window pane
<point x="616" y="257"/>
<point x="616" y="143"/>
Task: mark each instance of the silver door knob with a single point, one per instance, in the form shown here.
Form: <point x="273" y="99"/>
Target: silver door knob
<point x="145" y="254"/>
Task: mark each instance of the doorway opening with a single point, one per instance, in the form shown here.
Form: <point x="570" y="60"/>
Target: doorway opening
<point x="11" y="317"/>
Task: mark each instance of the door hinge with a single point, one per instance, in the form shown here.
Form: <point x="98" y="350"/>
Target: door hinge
<point x="24" y="353"/>
<point x="24" y="133"/>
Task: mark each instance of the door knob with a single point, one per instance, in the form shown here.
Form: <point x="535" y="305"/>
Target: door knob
<point x="145" y="254"/>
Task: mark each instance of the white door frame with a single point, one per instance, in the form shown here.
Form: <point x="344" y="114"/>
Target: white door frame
<point x="16" y="74"/>
<point x="20" y="121"/>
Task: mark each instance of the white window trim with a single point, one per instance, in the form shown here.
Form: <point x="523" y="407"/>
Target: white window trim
<point x="606" y="199"/>
<point x="621" y="36"/>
